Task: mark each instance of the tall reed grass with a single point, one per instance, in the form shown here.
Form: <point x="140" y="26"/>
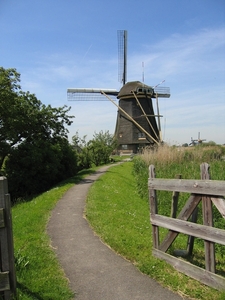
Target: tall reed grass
<point x="165" y="154"/>
<point x="171" y="161"/>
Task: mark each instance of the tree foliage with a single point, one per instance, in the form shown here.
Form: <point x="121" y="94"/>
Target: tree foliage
<point x="23" y="118"/>
<point x="35" y="167"/>
<point x="34" y="150"/>
<point x="101" y="147"/>
<point x="96" y="152"/>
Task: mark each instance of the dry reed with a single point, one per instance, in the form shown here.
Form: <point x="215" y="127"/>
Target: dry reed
<point x="166" y="154"/>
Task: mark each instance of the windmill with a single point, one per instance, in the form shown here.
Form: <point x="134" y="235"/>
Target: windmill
<point x="137" y="125"/>
<point x="197" y="141"/>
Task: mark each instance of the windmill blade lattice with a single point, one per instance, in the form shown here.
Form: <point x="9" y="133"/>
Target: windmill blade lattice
<point x="89" y="94"/>
<point x="162" y="92"/>
<point x="122" y="56"/>
<point x="137" y="126"/>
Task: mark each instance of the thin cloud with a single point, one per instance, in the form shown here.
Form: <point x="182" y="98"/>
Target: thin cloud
<point x="184" y="55"/>
<point x="193" y="66"/>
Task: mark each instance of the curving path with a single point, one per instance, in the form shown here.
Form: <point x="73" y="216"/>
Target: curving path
<point x="94" y="271"/>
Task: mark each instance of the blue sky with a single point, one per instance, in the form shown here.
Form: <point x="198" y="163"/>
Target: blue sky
<point x="62" y="44"/>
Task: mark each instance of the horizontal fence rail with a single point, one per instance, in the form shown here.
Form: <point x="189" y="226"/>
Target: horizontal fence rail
<point x="206" y="191"/>
<point x="206" y="187"/>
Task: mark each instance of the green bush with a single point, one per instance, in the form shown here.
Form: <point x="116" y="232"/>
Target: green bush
<point x="95" y="152"/>
<point x="35" y="167"/>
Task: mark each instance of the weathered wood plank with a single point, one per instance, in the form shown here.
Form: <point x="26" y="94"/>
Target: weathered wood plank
<point x="6" y="241"/>
<point x="203" y="187"/>
<point x="207" y="214"/>
<point x="189" y="207"/>
<point x="3" y="231"/>
<point x="207" y="233"/>
<point x="175" y="198"/>
<point x="204" y="276"/>
<point x="2" y="219"/>
<point x="153" y="208"/>
<point x="185" y="213"/>
<point x="209" y="191"/>
<point x="12" y="270"/>
<point x="4" y="281"/>
<point x="3" y="186"/>
<point x="219" y="204"/>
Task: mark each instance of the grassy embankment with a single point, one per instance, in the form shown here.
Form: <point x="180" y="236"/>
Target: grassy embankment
<point x="118" y="211"/>
<point x="39" y="274"/>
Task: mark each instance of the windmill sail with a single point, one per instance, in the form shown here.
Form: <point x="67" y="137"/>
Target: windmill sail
<point x="162" y="92"/>
<point x="122" y="56"/>
<point x="89" y="94"/>
<point x="137" y="125"/>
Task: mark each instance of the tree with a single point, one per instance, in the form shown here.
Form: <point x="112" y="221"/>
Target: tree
<point x="97" y="151"/>
<point x="36" y="167"/>
<point x="24" y="118"/>
<point x="34" y="150"/>
<point x="211" y="143"/>
<point x="82" y="151"/>
<point x="102" y="146"/>
<point x="185" y="145"/>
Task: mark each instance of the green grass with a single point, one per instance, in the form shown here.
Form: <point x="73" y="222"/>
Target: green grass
<point x="117" y="213"/>
<point x="39" y="275"/>
<point x="120" y="216"/>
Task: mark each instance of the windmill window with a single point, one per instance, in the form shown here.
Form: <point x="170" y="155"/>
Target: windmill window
<point x="141" y="136"/>
<point x="145" y="90"/>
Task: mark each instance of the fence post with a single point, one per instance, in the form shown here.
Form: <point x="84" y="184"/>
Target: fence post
<point x="7" y="267"/>
<point x="175" y="198"/>
<point x="153" y="208"/>
<point x="208" y="221"/>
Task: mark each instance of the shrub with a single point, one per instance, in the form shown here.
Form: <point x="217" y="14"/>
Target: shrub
<point x="35" y="167"/>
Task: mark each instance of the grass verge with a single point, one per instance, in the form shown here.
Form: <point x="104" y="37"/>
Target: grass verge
<point x="39" y="275"/>
<point x="121" y="218"/>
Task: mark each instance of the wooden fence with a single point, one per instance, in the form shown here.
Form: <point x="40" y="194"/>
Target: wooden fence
<point x="205" y="190"/>
<point x="7" y="267"/>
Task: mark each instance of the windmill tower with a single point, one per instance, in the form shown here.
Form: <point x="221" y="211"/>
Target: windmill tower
<point x="137" y="125"/>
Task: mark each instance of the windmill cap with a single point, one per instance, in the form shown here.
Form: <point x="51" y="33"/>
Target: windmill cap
<point x="137" y="87"/>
